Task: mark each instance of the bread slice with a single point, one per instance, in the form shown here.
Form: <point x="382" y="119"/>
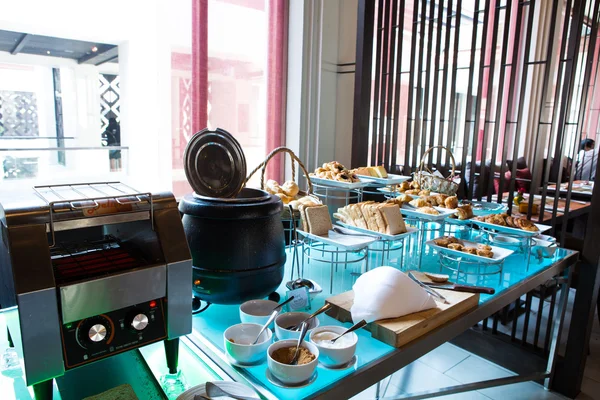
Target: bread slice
<point x="380" y="171"/>
<point x="365" y="209"/>
<point x="394" y="222"/>
<point x="381" y="225"/>
<point x="319" y="220"/>
<point x="357" y="216"/>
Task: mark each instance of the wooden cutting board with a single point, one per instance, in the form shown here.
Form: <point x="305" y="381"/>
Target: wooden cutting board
<point x="400" y="331"/>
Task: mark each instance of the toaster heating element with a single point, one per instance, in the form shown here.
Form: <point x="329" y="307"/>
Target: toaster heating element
<point x="95" y="270"/>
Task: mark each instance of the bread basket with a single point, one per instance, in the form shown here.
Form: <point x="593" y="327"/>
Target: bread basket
<point x="428" y="181"/>
<point x="285" y="214"/>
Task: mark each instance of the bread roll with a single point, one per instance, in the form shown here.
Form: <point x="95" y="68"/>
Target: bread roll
<point x="290" y="188"/>
<point x="272" y="187"/>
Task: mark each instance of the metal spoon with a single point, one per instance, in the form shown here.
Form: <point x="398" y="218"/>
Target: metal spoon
<point x="325" y="307"/>
<point x="303" y="331"/>
<point x="278" y="307"/>
<point x="354" y="327"/>
<point x="215" y="391"/>
<point x="274" y="315"/>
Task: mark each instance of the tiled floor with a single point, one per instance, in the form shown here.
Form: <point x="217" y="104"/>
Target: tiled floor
<point x="449" y="365"/>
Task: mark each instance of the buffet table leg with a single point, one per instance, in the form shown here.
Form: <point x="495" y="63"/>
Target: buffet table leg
<point x="172" y="354"/>
<point x="43" y="390"/>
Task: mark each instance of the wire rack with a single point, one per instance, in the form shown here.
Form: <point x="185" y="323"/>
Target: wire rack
<point x="90" y="196"/>
<point x="75" y="261"/>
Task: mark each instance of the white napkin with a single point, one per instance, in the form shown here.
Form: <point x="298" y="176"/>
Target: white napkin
<point x="386" y="292"/>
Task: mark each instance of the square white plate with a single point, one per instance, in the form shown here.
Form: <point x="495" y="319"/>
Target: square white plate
<point x="392" y="179"/>
<point x="409" y="231"/>
<point x="512" y="231"/>
<point x="347" y="242"/>
<point x="339" y="184"/>
<point x="412" y="212"/>
<point x="499" y="253"/>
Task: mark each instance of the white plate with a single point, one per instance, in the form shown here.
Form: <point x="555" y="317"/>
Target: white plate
<point x="339" y="184"/>
<point x="412" y="212"/>
<point x="409" y="231"/>
<point x="392" y="179"/>
<point x="513" y="231"/>
<point x="347" y="242"/>
<point x="486" y="208"/>
<point x="499" y="253"/>
<point x="546" y="238"/>
<point x="457" y="221"/>
<point x="231" y="387"/>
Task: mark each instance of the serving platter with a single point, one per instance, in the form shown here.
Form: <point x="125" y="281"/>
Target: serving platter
<point x="484" y="208"/>
<point x="512" y="231"/>
<point x="392" y="179"/>
<point x="409" y="231"/>
<point x="339" y="184"/>
<point x="412" y="212"/>
<point x="499" y="253"/>
<point x="348" y="242"/>
<point x="235" y="388"/>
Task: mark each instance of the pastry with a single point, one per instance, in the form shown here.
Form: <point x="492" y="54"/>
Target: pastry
<point x="393" y="219"/>
<point x="284" y="198"/>
<point x="412" y="191"/>
<point x="455" y="246"/>
<point x="440" y="199"/>
<point x="405" y="198"/>
<point x="290" y="188"/>
<point x="318" y="220"/>
<point x="451" y="202"/>
<point x="484" y="247"/>
<point x="404" y="186"/>
<point x="485" y="253"/>
<point x="415" y="185"/>
<point x="428" y="210"/>
<point x="464" y="212"/>
<point x="272" y="187"/>
<point x="443" y="241"/>
<point x="431" y="200"/>
<point x="424" y="193"/>
<point x="526" y="225"/>
<point x="417" y="203"/>
<point x="335" y="171"/>
<point x="454" y="240"/>
<point x="470" y="250"/>
<point x="361" y="171"/>
<point x="437" y="278"/>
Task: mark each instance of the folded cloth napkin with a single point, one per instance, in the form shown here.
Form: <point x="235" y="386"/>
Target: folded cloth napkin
<point x="386" y="292"/>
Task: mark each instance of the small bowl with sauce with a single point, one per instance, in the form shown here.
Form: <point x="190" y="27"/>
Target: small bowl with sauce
<point x="281" y="353"/>
<point x="238" y="343"/>
<point x="338" y="353"/>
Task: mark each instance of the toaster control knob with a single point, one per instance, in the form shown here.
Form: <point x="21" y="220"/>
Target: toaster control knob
<point x="97" y="333"/>
<point x="139" y="322"/>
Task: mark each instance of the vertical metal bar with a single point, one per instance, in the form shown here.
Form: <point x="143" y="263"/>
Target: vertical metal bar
<point x="452" y="120"/>
<point x="377" y="117"/>
<point x="385" y="74"/>
<point x="495" y="325"/>
<point x="521" y="103"/>
<point x="443" y="118"/>
<point x="538" y="322"/>
<point x="427" y="70"/>
<point x="549" y="324"/>
<point x="557" y="327"/>
<point x="485" y="324"/>
<point x="468" y="113"/>
<point x="385" y="157"/>
<point x="398" y="82"/>
<point x="477" y="112"/>
<point x="410" y="119"/>
<point x="362" y="82"/>
<point x="513" y="333"/>
<point x="437" y="44"/>
<point x="419" y="69"/>
<point x="514" y="69"/>
<point x="528" y="299"/>
<point x="489" y="95"/>
<point x="500" y="97"/>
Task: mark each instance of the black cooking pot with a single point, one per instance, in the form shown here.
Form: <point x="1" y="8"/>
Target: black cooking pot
<point x="237" y="245"/>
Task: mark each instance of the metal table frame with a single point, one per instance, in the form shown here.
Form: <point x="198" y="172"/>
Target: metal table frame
<point x="378" y="370"/>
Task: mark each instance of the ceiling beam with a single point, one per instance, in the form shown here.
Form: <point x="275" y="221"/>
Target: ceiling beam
<point x="21" y="43"/>
<point x="104" y="54"/>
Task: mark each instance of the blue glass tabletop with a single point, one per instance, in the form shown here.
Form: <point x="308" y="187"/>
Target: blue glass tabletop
<point x="211" y="323"/>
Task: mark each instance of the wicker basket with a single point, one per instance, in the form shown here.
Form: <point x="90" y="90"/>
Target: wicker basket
<point x="428" y="181"/>
<point x="285" y="214"/>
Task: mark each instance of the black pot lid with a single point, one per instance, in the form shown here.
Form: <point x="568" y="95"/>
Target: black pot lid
<point x="214" y="164"/>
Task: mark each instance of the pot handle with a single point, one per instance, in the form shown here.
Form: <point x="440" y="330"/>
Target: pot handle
<point x="263" y="167"/>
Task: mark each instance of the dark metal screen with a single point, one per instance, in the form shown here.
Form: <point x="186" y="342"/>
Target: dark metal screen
<point x="506" y="85"/>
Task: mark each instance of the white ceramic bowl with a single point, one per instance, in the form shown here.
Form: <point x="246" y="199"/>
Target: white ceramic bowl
<point x="243" y="334"/>
<point x="291" y="318"/>
<point x="334" y="357"/>
<point x="292" y="374"/>
<point x="257" y="311"/>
